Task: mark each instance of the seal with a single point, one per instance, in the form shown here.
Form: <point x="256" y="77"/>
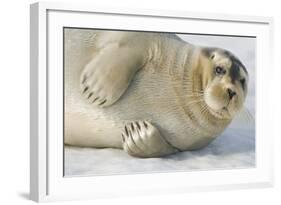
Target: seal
<point x="151" y="94"/>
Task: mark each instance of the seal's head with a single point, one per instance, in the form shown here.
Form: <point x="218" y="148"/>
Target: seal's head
<point x="224" y="81"/>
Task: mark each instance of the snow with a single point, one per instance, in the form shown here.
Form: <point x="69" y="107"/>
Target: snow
<point x="234" y="149"/>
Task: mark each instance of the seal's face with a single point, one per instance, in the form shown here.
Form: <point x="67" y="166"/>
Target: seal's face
<point x="225" y="83"/>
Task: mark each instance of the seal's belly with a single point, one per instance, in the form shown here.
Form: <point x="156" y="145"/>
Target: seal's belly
<point x="151" y="97"/>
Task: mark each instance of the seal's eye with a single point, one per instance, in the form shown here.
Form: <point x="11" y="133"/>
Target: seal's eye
<point x="242" y="81"/>
<point x="219" y="70"/>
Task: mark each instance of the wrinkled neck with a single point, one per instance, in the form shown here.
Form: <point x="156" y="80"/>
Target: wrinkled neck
<point x="190" y="92"/>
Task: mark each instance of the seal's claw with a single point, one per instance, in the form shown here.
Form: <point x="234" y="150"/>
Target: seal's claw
<point x="106" y="77"/>
<point x="93" y="91"/>
<point x="142" y="139"/>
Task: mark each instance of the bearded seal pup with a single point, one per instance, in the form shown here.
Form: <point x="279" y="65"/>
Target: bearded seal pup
<point x="151" y="94"/>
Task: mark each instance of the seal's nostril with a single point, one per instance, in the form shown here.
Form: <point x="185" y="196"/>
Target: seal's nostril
<point x="231" y="93"/>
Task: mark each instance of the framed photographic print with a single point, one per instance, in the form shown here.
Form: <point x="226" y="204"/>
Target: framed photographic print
<point x="127" y="102"/>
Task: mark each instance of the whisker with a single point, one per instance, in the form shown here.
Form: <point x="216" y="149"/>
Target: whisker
<point x="190" y="88"/>
<point x="195" y="101"/>
<point x="192" y="95"/>
<point x="250" y="116"/>
<point x="192" y="91"/>
<point x="204" y="111"/>
<point x="242" y="114"/>
<point x="246" y="115"/>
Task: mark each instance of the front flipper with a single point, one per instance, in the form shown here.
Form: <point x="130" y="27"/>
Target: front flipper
<point x="142" y="139"/>
<point x="107" y="76"/>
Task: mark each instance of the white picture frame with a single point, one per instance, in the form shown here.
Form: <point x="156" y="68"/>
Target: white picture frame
<point x="46" y="145"/>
